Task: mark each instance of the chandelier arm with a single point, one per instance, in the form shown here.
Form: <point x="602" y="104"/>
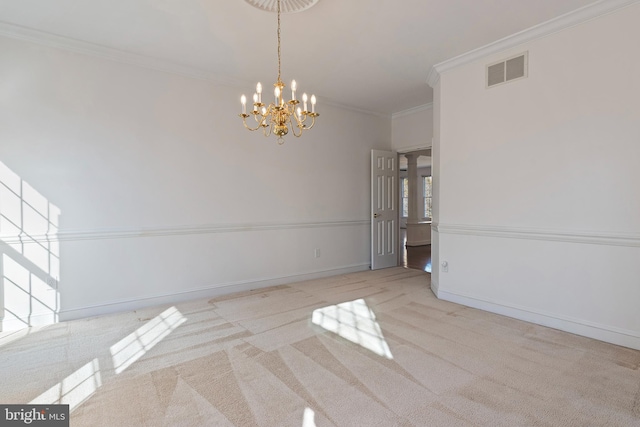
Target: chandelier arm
<point x="244" y="122"/>
<point x="293" y="128"/>
<point x="263" y="119"/>
<point x="313" y="120"/>
<point x="302" y="122"/>
<point x="297" y="135"/>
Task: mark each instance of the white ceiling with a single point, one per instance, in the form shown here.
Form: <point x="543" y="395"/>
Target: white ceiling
<point x="373" y="55"/>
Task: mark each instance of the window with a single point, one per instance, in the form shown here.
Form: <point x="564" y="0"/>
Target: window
<point x="404" y="189"/>
<point x="427" y="195"/>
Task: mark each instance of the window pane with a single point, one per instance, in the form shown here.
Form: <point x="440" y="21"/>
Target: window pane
<point x="405" y="207"/>
<point x="427" y="207"/>
<point x="405" y="187"/>
<point x="426" y="185"/>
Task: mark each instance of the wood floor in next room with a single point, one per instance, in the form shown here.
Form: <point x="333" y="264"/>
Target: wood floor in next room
<point x="416" y="257"/>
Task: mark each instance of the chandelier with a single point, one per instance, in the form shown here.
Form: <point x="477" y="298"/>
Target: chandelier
<point x="279" y="116"/>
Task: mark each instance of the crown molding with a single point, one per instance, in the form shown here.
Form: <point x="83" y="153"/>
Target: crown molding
<point x="544" y="29"/>
<point x="412" y="110"/>
<point x="433" y="78"/>
<point x="77" y="46"/>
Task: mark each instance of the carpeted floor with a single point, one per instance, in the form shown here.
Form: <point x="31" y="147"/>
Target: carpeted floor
<point x="364" y="349"/>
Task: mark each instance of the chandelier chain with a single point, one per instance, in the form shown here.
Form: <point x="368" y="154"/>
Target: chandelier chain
<point x="279" y="54"/>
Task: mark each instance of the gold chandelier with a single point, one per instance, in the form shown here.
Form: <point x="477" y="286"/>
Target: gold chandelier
<point x="277" y="117"/>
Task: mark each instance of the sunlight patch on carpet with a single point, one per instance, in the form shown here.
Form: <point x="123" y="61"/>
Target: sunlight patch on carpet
<point x="131" y="348"/>
<point x="309" y="418"/>
<point x="74" y="389"/>
<point x="356" y="322"/>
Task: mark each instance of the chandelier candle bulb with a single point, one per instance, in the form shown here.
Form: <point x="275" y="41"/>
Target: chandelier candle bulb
<point x="313" y="103"/>
<point x="293" y="90"/>
<point x="304" y="101"/>
<point x="255" y="101"/>
<point x="243" y="100"/>
<point x="259" y="91"/>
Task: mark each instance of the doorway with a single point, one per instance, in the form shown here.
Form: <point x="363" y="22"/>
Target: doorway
<point x="415" y="198"/>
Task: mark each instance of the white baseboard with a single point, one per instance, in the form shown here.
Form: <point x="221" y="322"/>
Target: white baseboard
<point x="611" y="334"/>
<point x="434" y="287"/>
<point x="13" y="324"/>
<point x="207" y="292"/>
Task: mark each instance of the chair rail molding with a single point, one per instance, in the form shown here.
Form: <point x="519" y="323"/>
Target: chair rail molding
<point x="135" y="232"/>
<point x="597" y="238"/>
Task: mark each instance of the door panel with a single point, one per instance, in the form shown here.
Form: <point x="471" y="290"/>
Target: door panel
<point x="384" y="212"/>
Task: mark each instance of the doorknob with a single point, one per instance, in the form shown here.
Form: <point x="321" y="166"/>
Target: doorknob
<point x="376" y="215"/>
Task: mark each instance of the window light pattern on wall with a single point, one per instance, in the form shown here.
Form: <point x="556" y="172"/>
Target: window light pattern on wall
<point x="30" y="261"/>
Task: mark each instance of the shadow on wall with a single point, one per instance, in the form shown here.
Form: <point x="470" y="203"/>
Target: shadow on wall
<point x="30" y="263"/>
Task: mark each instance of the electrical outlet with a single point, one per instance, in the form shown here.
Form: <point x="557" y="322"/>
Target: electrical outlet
<point x="445" y="267"/>
<point x="316" y="252"/>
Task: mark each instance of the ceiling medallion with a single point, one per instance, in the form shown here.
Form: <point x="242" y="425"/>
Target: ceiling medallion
<point x="278" y="117"/>
<point x="286" y="6"/>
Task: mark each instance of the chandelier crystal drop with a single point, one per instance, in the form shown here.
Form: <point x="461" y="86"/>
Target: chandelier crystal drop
<point x="280" y="115"/>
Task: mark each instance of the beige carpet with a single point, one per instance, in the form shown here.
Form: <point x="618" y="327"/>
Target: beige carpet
<point x="365" y="349"/>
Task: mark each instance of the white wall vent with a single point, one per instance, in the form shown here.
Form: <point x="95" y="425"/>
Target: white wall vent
<point x="507" y="70"/>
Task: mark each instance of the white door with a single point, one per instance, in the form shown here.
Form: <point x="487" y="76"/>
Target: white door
<point x="384" y="209"/>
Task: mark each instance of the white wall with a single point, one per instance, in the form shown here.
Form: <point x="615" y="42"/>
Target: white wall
<point x="413" y="129"/>
<point x="536" y="182"/>
<point x="162" y="194"/>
